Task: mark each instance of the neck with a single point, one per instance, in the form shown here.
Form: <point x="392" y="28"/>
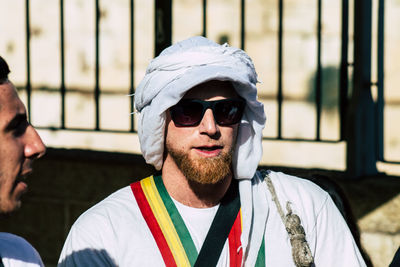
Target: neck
<point x="191" y="193"/>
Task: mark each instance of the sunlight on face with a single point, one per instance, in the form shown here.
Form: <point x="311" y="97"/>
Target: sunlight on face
<point x="203" y="152"/>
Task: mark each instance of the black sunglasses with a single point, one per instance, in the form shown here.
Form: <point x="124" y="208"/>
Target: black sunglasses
<point x="190" y="112"/>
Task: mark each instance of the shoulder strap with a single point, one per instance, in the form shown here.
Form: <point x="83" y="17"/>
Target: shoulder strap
<point x="227" y="212"/>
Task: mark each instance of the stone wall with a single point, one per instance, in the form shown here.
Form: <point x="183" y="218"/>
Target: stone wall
<point x="67" y="182"/>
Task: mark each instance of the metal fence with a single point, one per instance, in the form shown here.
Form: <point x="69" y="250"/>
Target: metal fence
<point x="97" y="89"/>
<point x="163" y="37"/>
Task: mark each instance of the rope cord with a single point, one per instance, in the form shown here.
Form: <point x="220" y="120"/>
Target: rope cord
<point x="301" y="252"/>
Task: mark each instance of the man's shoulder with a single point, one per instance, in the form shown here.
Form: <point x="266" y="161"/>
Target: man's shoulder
<point x="288" y="181"/>
<point x="118" y="206"/>
<point x="16" y="251"/>
<point x="296" y="190"/>
<point x="118" y="199"/>
<point x="111" y="204"/>
<point x="294" y="182"/>
<point x="107" y="232"/>
<point x="8" y="239"/>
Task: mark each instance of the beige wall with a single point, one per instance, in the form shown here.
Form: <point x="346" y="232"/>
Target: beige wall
<point x="223" y="19"/>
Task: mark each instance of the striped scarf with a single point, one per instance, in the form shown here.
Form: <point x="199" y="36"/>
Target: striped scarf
<point x="170" y="232"/>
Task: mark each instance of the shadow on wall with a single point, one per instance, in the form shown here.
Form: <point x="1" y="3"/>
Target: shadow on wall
<point x="330" y="88"/>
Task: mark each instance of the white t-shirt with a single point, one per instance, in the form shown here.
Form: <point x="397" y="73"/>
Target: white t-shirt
<point x="114" y="232"/>
<point x="17" y="252"/>
<point x="197" y="221"/>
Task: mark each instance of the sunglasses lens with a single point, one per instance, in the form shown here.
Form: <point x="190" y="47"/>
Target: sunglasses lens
<point x="228" y="112"/>
<point x="187" y="113"/>
<point x="190" y="112"/>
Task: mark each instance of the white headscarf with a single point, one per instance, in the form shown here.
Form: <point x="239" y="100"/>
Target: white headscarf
<point x="179" y="68"/>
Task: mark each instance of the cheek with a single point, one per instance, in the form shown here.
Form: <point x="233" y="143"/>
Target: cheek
<point x="12" y="153"/>
<point x="177" y="137"/>
<point x="230" y="134"/>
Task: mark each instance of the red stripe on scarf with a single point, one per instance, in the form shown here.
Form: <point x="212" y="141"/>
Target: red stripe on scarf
<point x="235" y="257"/>
<point x="153" y="224"/>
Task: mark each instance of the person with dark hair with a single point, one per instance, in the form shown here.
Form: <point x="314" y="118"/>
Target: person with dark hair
<point x="4" y="70"/>
<point x="20" y="145"/>
<point x="201" y="126"/>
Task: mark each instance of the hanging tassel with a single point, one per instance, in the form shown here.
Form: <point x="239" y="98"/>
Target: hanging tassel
<point x="301" y="252"/>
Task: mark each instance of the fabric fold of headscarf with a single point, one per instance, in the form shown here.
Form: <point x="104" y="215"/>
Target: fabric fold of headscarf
<point x="181" y="67"/>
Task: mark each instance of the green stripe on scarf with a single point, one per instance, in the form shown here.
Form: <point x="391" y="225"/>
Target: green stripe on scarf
<point x="261" y="255"/>
<point x="178" y="222"/>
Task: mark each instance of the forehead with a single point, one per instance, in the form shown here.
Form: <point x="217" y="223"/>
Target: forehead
<point x="212" y="89"/>
<point x="10" y="104"/>
<point x="8" y="93"/>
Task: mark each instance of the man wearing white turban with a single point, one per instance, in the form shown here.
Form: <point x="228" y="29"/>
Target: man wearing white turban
<point x="201" y="125"/>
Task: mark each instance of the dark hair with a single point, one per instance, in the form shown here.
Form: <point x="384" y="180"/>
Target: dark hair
<point x="4" y="70"/>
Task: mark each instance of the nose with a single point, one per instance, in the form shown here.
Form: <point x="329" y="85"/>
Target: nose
<point x="34" y="147"/>
<point x="208" y="124"/>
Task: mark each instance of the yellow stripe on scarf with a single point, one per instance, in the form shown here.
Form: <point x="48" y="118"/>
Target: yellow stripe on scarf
<point x="164" y="221"/>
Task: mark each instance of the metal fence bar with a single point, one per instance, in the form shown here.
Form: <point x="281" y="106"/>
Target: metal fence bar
<point x="361" y="141"/>
<point x="318" y="80"/>
<point x="343" y="76"/>
<point x="163" y="25"/>
<point x="97" y="67"/>
<point x="132" y="60"/>
<point x="204" y="18"/>
<point x="380" y="86"/>
<point x="242" y="23"/>
<point x="280" y="67"/>
<point x="62" y="60"/>
<point x="28" y="59"/>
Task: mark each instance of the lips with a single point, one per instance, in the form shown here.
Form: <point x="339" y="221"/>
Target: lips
<point x="209" y="148"/>
<point x="209" y="151"/>
<point x="20" y="180"/>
